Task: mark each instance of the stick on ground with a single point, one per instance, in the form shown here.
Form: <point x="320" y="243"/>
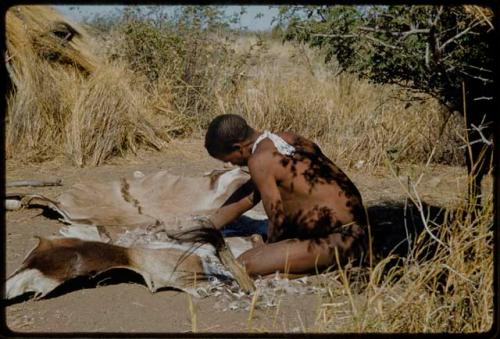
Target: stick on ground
<point x="34" y="183"/>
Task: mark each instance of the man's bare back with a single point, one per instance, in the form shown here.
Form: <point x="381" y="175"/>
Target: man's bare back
<point x="316" y="216"/>
<point x="317" y="197"/>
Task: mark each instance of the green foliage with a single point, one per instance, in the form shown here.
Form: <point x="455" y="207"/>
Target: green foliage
<point x="186" y="49"/>
<point x="430" y="49"/>
<point x="157" y="41"/>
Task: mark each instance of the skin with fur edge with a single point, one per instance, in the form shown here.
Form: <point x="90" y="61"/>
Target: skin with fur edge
<point x="316" y="215"/>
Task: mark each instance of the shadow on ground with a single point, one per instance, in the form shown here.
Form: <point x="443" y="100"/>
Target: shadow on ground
<point x="395" y="226"/>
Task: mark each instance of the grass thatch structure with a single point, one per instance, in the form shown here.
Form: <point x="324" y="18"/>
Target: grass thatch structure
<point x="66" y="97"/>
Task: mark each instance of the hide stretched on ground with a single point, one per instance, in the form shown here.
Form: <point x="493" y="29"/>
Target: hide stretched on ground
<point x="127" y="223"/>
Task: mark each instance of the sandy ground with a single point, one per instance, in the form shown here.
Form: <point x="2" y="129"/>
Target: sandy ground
<point x="128" y="306"/>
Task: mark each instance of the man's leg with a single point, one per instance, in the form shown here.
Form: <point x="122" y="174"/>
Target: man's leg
<point x="298" y="256"/>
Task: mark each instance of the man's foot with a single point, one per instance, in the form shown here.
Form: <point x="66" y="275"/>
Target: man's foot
<point x="256" y="240"/>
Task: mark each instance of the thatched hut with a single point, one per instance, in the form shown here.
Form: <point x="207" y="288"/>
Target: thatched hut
<point x="42" y="32"/>
<point x="66" y="97"/>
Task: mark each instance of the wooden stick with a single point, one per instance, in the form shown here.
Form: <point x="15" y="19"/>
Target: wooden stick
<point x="34" y="183"/>
<point x="210" y="235"/>
<point x="238" y="271"/>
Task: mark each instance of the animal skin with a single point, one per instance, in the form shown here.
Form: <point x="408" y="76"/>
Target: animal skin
<point x="158" y="198"/>
<point x="54" y="261"/>
<point x="146" y="205"/>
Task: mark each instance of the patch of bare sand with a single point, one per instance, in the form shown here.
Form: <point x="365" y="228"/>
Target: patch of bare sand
<point x="130" y="307"/>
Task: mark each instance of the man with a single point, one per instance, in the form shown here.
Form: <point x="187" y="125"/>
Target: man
<point x="316" y="216"/>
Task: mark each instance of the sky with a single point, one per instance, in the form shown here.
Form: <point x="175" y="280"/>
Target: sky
<point x="248" y="19"/>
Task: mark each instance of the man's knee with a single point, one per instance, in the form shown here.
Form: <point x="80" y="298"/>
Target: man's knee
<point x="248" y="262"/>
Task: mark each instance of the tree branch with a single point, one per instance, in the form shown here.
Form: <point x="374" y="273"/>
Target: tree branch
<point x="479" y="68"/>
<point x="476" y="76"/>
<point x="415" y="31"/>
<point x="320" y="12"/>
<point x="356" y="36"/>
<point x="450" y="40"/>
<point x="438" y="15"/>
<point x="369" y="37"/>
<point x="334" y="35"/>
<point x="401" y="34"/>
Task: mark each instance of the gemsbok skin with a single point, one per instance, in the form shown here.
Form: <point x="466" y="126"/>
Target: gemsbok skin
<point x="54" y="261"/>
<point x="183" y="259"/>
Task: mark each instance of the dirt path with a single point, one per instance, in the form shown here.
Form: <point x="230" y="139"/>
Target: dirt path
<point x="130" y="307"/>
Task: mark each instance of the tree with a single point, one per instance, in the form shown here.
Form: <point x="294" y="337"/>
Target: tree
<point x="445" y="51"/>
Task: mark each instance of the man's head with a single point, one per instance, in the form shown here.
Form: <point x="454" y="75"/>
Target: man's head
<point x="229" y="139"/>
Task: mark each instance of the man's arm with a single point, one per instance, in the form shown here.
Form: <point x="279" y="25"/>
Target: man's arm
<point x="263" y="176"/>
<point x="243" y="199"/>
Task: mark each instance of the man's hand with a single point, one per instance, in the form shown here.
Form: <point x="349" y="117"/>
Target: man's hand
<point x="242" y="200"/>
<point x="203" y="221"/>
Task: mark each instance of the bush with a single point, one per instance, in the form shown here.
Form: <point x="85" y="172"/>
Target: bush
<point x="188" y="53"/>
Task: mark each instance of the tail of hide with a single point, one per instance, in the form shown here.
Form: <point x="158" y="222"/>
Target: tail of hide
<point x="212" y="236"/>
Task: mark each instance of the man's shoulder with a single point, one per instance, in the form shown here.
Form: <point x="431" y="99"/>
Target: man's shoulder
<point x="263" y="159"/>
<point x="297" y="140"/>
<point x="289" y="135"/>
<point x="260" y="158"/>
<point x="264" y="149"/>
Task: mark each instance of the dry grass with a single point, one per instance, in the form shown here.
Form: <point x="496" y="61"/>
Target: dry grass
<point x="354" y="121"/>
<point x="445" y="284"/>
<point x="481" y="13"/>
<point x="67" y="98"/>
<point x="92" y="108"/>
<point x="108" y="117"/>
<point x="452" y="292"/>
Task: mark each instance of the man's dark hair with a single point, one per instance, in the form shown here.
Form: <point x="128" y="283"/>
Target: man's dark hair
<point x="224" y="131"/>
